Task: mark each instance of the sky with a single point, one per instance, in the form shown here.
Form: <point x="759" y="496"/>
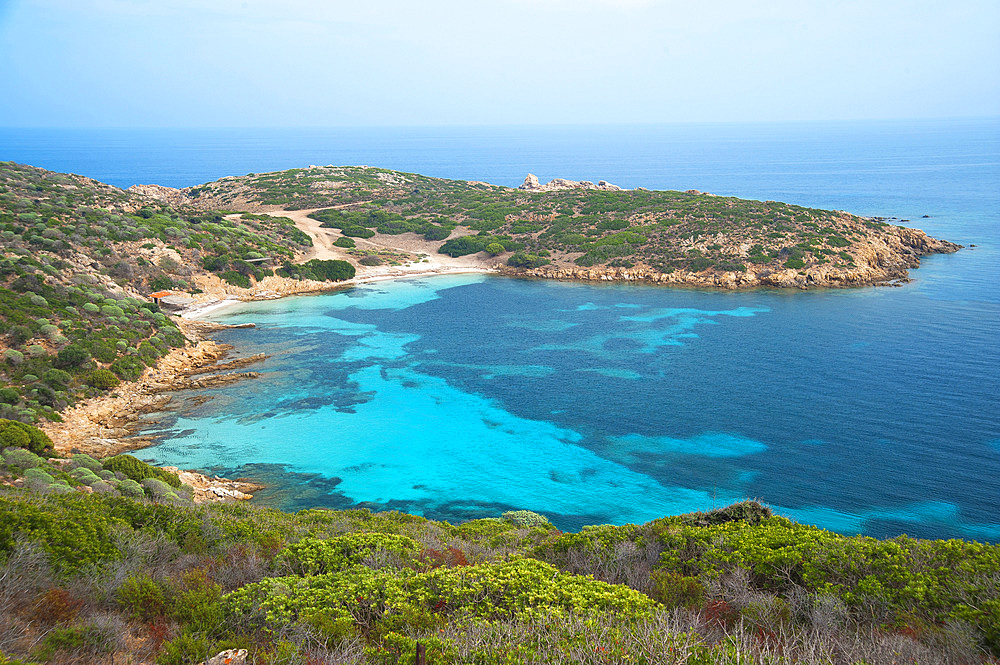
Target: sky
<point x="304" y="63"/>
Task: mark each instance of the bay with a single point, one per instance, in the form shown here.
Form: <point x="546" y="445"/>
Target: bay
<point x="867" y="410"/>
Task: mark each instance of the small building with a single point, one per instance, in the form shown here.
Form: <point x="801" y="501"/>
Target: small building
<point x="168" y="300"/>
<point x="159" y="295"/>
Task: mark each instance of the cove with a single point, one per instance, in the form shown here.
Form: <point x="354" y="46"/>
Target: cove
<point x="462" y="396"/>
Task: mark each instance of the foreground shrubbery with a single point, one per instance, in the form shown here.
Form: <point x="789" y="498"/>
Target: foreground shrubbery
<point x="97" y="575"/>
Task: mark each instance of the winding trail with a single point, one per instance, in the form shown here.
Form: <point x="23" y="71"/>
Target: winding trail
<point x="410" y="243"/>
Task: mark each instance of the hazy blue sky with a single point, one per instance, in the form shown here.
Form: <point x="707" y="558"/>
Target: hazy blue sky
<point x="401" y="62"/>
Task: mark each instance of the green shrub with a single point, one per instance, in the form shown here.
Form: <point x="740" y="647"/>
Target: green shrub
<point x="137" y="470"/>
<point x="130" y="488"/>
<point x="370" y="260"/>
<point x="103" y="379"/>
<point x="157" y="489"/>
<point x="84" y="475"/>
<point x="128" y="368"/>
<point x="13" y="356"/>
<point x="9" y="396"/>
<point x="198" y="606"/>
<point x="186" y="649"/>
<point x="344" y="241"/>
<point x="21" y="458"/>
<point x="236" y="279"/>
<point x="57" y="378"/>
<point x="87" y="640"/>
<point x="675" y="590"/>
<point x="434" y="233"/>
<point x="334" y="603"/>
<point x="82" y="460"/>
<point x="313" y="556"/>
<point x="358" y="232"/>
<point x="38" y="479"/>
<point x="330" y="271"/>
<point x="142" y="597"/>
<point x="527" y="518"/>
<point x="795" y="263"/>
<point x="523" y="260"/>
<point x="19" y="435"/>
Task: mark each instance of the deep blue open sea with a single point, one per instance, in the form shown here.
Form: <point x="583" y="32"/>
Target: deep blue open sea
<point x="872" y="410"/>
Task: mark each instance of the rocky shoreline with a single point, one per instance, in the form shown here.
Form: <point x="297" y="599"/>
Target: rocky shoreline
<point x="107" y="425"/>
<point x="886" y="262"/>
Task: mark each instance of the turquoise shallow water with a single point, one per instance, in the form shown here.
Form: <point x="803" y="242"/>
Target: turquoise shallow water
<point x="462" y="396"/>
<point x="869" y="410"/>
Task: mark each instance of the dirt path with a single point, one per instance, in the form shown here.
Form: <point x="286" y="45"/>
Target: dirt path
<point x="323" y="238"/>
<point x="411" y="243"/>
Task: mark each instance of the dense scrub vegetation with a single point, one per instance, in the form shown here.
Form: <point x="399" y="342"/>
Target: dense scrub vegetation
<point x="77" y="256"/>
<point x="176" y="583"/>
<point x="122" y="475"/>
<point x="665" y="230"/>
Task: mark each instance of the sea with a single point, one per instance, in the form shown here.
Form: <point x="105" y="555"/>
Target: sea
<point x="870" y="411"/>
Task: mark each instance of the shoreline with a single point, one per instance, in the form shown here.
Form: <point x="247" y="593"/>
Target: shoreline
<point x="199" y="311"/>
<point x="107" y="424"/>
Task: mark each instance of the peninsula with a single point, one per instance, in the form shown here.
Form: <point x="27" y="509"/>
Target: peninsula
<point x="574" y="230"/>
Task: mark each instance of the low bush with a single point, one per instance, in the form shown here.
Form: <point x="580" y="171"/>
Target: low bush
<point x="137" y="470"/>
<point x="82" y="460"/>
<point x="527" y="518"/>
<point x="19" y="435"/>
<point x="103" y="379"/>
<point x="79" y="641"/>
<point x="142" y="597"/>
<point x="312" y="556"/>
<point x="21" y="458"/>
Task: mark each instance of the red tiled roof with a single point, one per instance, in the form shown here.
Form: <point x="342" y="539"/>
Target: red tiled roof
<point x="161" y="294"/>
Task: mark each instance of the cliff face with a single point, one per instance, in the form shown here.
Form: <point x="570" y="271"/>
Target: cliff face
<point x="883" y="260"/>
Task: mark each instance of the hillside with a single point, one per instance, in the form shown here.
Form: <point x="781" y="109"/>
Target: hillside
<point x="78" y="260"/>
<point x="102" y="578"/>
<point x="576" y="230"/>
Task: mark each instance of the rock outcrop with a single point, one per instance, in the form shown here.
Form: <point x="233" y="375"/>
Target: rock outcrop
<point x="107" y="425"/>
<point x="169" y="195"/>
<point x="531" y="184"/>
<point x="229" y="657"/>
